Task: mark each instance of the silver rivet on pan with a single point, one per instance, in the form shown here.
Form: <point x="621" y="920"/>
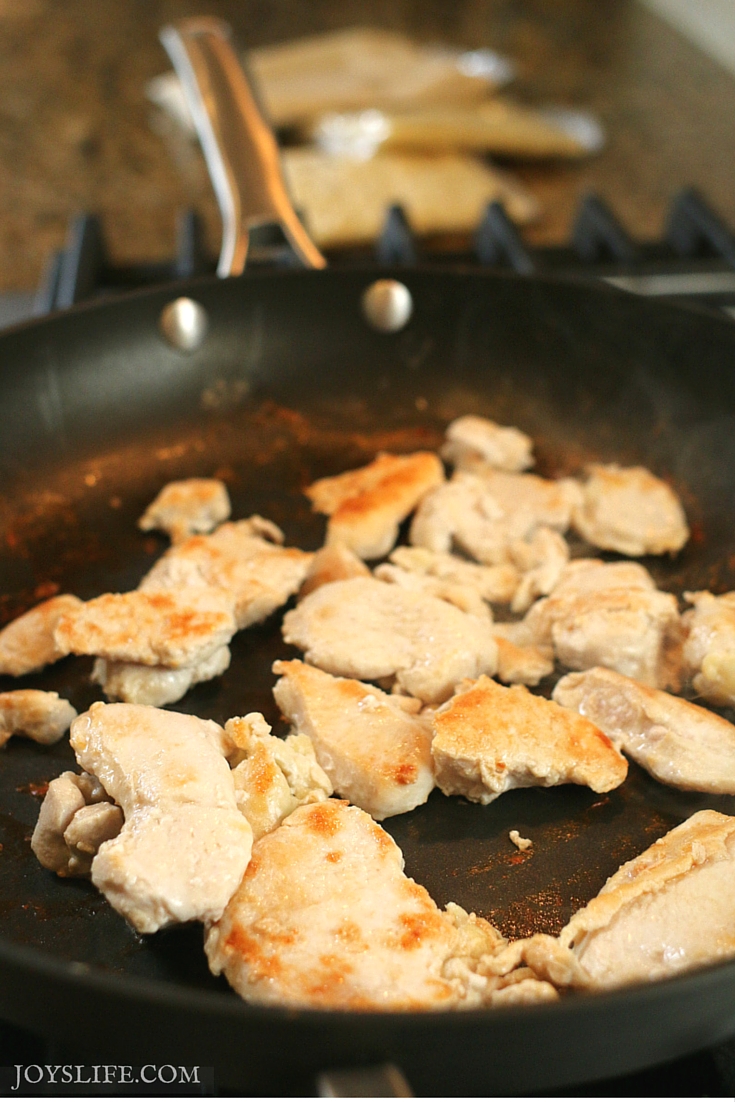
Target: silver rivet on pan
<point x="184" y="324"/>
<point x="387" y="305"/>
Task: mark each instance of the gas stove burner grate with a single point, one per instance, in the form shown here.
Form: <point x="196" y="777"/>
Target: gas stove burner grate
<point x="694" y="261"/>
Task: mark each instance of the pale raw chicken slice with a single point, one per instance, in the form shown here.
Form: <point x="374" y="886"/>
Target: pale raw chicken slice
<point x="41" y="716"/>
<point x="326" y="918"/>
<point x="476" y="442"/>
<point x="484" y="516"/>
<point x="272" y="776"/>
<point x="524" y="665"/>
<point x="709" y="648"/>
<point x="636" y="631"/>
<point x="185" y="844"/>
<point x="335" y="563"/>
<point x="541" y="560"/>
<point x="370" y="630"/>
<point x="489" y="739"/>
<point x="493" y="583"/>
<point x="244" y="558"/>
<point x="155" y="627"/>
<point x="366" y="506"/>
<point x="376" y="755"/>
<point x="155" y="685"/>
<point x="669" y="910"/>
<point x="74" y="820"/>
<point x="28" y="643"/>
<point x="185" y="507"/>
<point x="628" y="509"/>
<point x="463" y="597"/>
<point x="679" y="743"/>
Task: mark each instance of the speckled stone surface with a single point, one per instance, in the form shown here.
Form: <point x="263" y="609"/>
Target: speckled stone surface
<point x="77" y="132"/>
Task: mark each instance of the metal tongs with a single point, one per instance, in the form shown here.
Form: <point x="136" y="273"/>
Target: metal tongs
<point x="238" y="144"/>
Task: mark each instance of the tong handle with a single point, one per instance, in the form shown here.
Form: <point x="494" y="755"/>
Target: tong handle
<point x="238" y="144"/>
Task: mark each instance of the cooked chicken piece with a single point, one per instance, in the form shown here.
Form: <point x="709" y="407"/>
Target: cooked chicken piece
<point x="326" y="918"/>
<point x="41" y="716"/>
<point x="709" y="648"/>
<point x="155" y="685"/>
<point x="334" y="563"/>
<point x="244" y="558"/>
<point x="541" y="560"/>
<point x="477" y="442"/>
<point x="519" y="841"/>
<point x="28" y="644"/>
<point x="493" y="583"/>
<point x="76" y="817"/>
<point x="183" y="508"/>
<point x="634" y="631"/>
<point x="367" y="629"/>
<point x="679" y="743"/>
<point x="545" y="957"/>
<point x="628" y="509"/>
<point x="376" y="755"/>
<point x="272" y="776"/>
<point x="669" y="910"/>
<point x="463" y="597"/>
<point x="152" y="627"/>
<point x="489" y="739"/>
<point x="185" y="845"/>
<point x="366" y="506"/>
<point x="483" y="516"/>
<point x="524" y="665"/>
<point x="583" y="576"/>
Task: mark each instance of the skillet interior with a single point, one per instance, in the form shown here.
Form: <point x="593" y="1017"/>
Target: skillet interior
<point x="97" y="412"/>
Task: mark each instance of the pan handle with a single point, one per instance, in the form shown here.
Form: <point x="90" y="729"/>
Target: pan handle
<point x="238" y="144"/>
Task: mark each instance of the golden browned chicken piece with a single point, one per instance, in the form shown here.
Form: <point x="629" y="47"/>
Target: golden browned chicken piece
<point x="376" y="754"/>
<point x="669" y="910"/>
<point x="370" y="630"/>
<point x="628" y="509"/>
<point x="606" y="615"/>
<point x="28" y="643"/>
<point x="334" y="563"/>
<point x="186" y="507"/>
<point x="40" y="716"/>
<point x="366" y="506"/>
<point x="489" y="739"/>
<point x="152" y="627"/>
<point x="709" y="648"/>
<point x="326" y="918"/>
<point x="272" y="776"/>
<point x="474" y="443"/>
<point x="679" y="743"/>
<point x="184" y="845"/>
<point x="522" y="665"/>
<point x="245" y="558"/>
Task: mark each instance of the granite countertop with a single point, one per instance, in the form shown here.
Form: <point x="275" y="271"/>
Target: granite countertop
<point x="76" y="130"/>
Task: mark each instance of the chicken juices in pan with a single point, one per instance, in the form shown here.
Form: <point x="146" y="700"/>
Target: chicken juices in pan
<point x="302" y="894"/>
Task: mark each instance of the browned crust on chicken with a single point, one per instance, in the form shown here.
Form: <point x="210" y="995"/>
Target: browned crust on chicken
<point x="28" y="643"/>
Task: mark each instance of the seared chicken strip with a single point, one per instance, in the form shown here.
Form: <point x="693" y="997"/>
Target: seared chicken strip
<point x="244" y="558"/>
<point x="272" y="776"/>
<point x="326" y="918"/>
<point x="155" y="627"/>
<point x="679" y="743"/>
<point x="185" y="844"/>
<point x="636" y="631"/>
<point x="41" y="716"/>
<point x="489" y="739"/>
<point x="474" y="443"/>
<point x="671" y="909"/>
<point x="709" y="649"/>
<point x="366" y="506"/>
<point x="628" y="509"/>
<point x="484" y="515"/>
<point x="335" y="563"/>
<point x="185" y="507"/>
<point x="76" y="817"/>
<point x="376" y="754"/>
<point x="156" y="685"/>
<point x="28" y="643"/>
<point x="370" y="630"/>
